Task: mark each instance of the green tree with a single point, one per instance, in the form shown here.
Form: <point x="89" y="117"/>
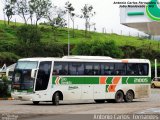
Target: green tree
<point x="69" y="7"/>
<point x="31" y="10"/>
<point x="98" y="48"/>
<point x="29" y="36"/>
<point x="40" y="8"/>
<point x="22" y="7"/>
<point x="52" y="49"/>
<point x="4" y="87"/>
<point x="129" y="51"/>
<point x="9" y="9"/>
<point x="56" y="19"/>
<point x="8" y="57"/>
<point x="87" y="13"/>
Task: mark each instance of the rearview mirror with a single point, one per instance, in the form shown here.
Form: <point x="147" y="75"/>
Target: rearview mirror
<point x="33" y="73"/>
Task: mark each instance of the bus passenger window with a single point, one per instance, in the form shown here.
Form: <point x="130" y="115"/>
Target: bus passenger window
<point x="120" y="69"/>
<point x="60" y="68"/>
<point x="96" y="69"/>
<point x="107" y="68"/>
<point x="92" y="69"/>
<point x="143" y="69"/>
<point x="132" y="69"/>
<point x="88" y="69"/>
<point x="80" y="69"/>
<point x="76" y="68"/>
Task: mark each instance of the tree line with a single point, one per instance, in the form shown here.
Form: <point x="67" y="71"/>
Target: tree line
<point x="35" y="10"/>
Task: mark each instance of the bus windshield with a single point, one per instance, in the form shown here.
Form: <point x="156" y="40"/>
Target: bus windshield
<point x="22" y="75"/>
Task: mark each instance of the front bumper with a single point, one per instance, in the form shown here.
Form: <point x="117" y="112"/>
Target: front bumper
<point x="22" y="96"/>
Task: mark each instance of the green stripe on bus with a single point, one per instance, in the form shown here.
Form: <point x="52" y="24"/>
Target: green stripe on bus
<point x="91" y="80"/>
<point x="95" y="80"/>
<point x="109" y="80"/>
<point x="76" y="80"/>
<point x="107" y="88"/>
<point x="124" y="80"/>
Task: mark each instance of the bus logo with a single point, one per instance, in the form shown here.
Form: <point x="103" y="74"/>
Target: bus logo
<point x="65" y="81"/>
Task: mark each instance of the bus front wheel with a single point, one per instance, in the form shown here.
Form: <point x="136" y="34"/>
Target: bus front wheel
<point x="55" y="99"/>
<point x="119" y="97"/>
<point x="35" y="102"/>
<point x="129" y="96"/>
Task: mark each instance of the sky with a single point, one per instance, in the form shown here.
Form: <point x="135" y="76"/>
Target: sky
<point x="107" y="16"/>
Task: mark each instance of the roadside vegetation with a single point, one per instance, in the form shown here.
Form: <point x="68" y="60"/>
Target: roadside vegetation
<point x="4" y="88"/>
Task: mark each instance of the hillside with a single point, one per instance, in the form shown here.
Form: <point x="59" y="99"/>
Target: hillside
<point x="8" y="33"/>
<point x="8" y="39"/>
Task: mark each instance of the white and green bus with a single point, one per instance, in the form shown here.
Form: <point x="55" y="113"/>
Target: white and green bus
<point x="80" y="78"/>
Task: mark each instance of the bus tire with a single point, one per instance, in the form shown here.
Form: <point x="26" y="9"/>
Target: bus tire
<point x="129" y="96"/>
<point x="152" y="86"/>
<point x="119" y="96"/>
<point x="99" y="101"/>
<point x="55" y="98"/>
<point x="35" y="102"/>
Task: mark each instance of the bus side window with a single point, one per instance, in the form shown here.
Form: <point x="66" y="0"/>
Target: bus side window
<point x="57" y="67"/>
<point x="92" y="69"/>
<point x="88" y="69"/>
<point x="60" y="68"/>
<point x="132" y="69"/>
<point x="120" y="69"/>
<point x="80" y="69"/>
<point x="96" y="69"/>
<point x="107" y="68"/>
<point x="76" y="68"/>
<point x="143" y="68"/>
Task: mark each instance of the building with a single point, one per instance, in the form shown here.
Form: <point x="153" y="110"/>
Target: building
<point x="7" y="71"/>
<point x="142" y="18"/>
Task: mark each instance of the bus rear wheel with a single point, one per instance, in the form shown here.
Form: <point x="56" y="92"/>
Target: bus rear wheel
<point x="129" y="96"/>
<point x="119" y="97"/>
<point x="99" y="101"/>
<point x="35" y="102"/>
<point x="55" y="98"/>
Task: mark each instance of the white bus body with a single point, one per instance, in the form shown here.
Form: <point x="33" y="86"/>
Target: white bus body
<point x="81" y="77"/>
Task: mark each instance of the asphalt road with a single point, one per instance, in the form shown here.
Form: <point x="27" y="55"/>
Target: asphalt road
<point x="26" y="110"/>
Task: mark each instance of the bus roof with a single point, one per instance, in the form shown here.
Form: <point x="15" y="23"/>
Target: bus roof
<point x="86" y="59"/>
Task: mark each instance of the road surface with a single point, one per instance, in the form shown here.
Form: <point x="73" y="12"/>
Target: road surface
<point x="26" y="110"/>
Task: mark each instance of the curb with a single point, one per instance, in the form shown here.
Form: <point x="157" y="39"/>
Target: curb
<point x="7" y="98"/>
